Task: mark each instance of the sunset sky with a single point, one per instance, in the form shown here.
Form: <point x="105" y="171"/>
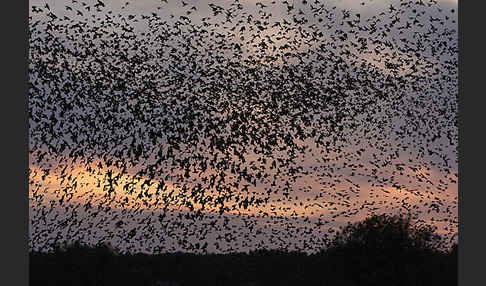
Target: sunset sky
<point x="384" y="161"/>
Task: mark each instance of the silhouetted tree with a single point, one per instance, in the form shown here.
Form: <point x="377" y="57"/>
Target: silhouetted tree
<point x="388" y="250"/>
<point x="387" y="232"/>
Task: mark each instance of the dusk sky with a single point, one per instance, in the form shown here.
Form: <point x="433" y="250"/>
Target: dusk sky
<point x="189" y="129"/>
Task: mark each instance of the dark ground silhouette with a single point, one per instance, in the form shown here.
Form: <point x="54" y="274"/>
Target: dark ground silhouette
<point x="381" y="250"/>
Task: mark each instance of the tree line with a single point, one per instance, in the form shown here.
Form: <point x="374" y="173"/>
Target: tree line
<point x="380" y="250"/>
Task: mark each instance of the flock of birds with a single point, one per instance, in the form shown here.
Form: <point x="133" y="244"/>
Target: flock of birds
<point x="237" y="125"/>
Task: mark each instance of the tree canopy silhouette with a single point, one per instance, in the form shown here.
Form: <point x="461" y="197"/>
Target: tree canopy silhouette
<point x="391" y="250"/>
<point x="387" y="233"/>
